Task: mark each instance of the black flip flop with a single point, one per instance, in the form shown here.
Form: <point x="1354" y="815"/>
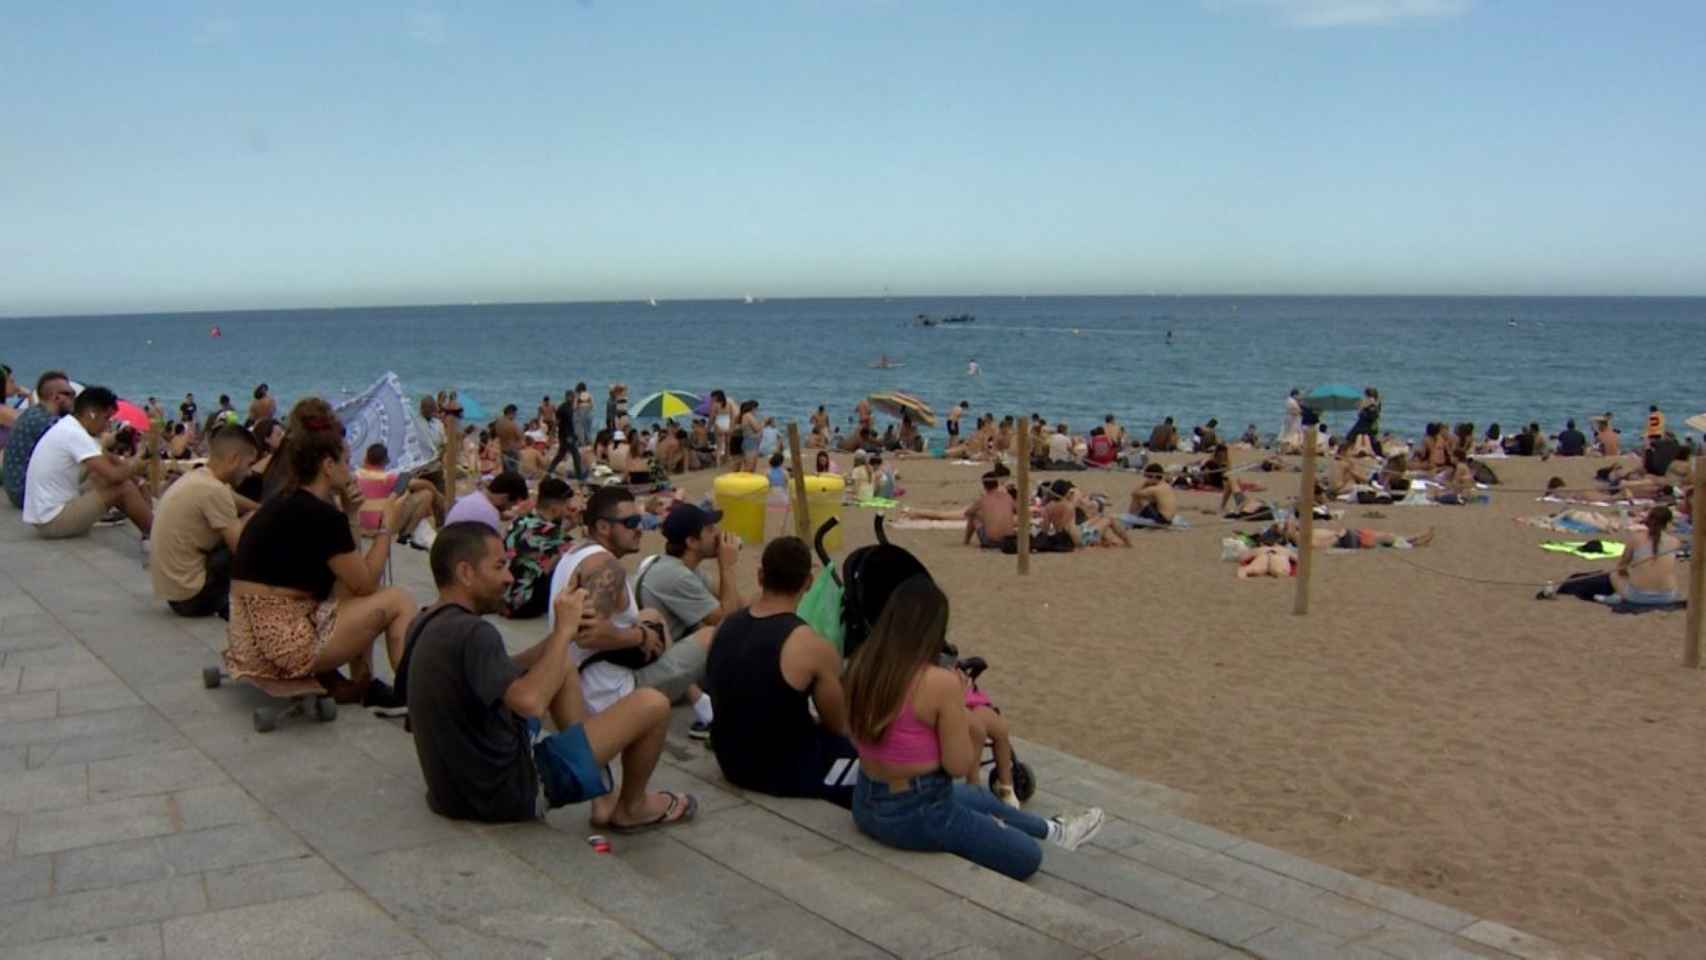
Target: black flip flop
<point x="665" y="819"/>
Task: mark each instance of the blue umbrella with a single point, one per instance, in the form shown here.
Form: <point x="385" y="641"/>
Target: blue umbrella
<point x="1332" y="396"/>
<point x="472" y="412"/>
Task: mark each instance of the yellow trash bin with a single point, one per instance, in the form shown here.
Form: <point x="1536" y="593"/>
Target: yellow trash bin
<point x="823" y="497"/>
<point x="741" y="497"/>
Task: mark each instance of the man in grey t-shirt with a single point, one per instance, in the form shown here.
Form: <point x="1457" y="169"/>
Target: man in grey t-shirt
<point x="672" y="584"/>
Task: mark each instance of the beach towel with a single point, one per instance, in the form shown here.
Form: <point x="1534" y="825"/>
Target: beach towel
<point x="820" y="608"/>
<point x="1647" y="607"/>
<point x="383" y="414"/>
<point x="1606" y="549"/>
<point x="876" y="503"/>
<point x="917" y="523"/>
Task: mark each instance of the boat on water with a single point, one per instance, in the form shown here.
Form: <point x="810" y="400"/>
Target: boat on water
<point x="960" y="318"/>
<point x="925" y="320"/>
<point x="885" y="362"/>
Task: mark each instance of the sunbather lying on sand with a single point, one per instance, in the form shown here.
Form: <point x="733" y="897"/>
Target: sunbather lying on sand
<point x="1345" y="538"/>
<point x="1272" y="561"/>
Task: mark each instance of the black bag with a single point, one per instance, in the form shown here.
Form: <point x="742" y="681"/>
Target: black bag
<point x="631" y="657"/>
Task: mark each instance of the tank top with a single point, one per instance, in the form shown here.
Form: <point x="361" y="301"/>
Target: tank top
<point x="560" y="579"/>
<point x="906" y="741"/>
<point x="374" y="487"/>
<point x="763" y="724"/>
<point x="1655" y="425"/>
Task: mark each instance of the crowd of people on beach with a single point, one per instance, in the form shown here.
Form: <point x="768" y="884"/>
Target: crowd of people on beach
<point x="278" y="527"/>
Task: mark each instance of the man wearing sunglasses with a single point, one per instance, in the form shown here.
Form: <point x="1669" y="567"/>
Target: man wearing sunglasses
<point x="620" y="647"/>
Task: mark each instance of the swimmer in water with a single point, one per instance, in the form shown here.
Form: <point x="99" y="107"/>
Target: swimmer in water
<point x="972" y="369"/>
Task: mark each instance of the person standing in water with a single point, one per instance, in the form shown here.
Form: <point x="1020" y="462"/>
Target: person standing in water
<point x="972" y="369"/>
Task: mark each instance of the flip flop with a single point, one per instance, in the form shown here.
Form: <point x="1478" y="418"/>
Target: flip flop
<point x="686" y="802"/>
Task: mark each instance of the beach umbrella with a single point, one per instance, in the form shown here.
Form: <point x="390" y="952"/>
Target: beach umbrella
<point x="132" y="414"/>
<point x="383" y="413"/>
<point x="472" y="412"/>
<point x="1332" y="396"/>
<point x="666" y="405"/>
<point x="895" y="403"/>
<point x="1698" y="422"/>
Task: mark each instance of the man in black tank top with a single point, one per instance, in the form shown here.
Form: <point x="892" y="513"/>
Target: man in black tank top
<point x="765" y="665"/>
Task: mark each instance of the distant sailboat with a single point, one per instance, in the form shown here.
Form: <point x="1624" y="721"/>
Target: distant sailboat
<point x="749" y="298"/>
<point x="653" y="301"/>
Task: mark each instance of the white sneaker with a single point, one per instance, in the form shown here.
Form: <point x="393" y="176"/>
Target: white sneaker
<point x="1077" y="831"/>
<point x="424" y="534"/>
<point x="1005" y="794"/>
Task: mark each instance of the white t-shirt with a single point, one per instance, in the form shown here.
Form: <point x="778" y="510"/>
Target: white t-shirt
<point x="602" y="684"/>
<point x="1059" y="447"/>
<point x="55" y="476"/>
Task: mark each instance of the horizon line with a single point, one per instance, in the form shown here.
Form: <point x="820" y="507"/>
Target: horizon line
<point x="885" y="296"/>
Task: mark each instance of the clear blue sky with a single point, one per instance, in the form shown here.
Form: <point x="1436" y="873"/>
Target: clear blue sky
<point x="187" y="155"/>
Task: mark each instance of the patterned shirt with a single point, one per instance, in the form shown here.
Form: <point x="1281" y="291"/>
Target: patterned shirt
<point x="531" y="541"/>
<point x="26" y="433"/>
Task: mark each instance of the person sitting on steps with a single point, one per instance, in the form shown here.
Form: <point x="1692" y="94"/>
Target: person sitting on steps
<point x="907" y="716"/>
<point x="768" y="671"/>
<point x="477" y="713"/>
<point x="303" y="601"/>
<point x="197" y="527"/>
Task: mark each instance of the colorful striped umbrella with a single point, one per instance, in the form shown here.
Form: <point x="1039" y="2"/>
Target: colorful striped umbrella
<point x="895" y="403"/>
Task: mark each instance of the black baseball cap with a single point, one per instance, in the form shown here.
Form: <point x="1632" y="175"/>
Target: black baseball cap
<point x="687" y="520"/>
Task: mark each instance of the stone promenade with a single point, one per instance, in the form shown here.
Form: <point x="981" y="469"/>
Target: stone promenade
<point x="142" y="817"/>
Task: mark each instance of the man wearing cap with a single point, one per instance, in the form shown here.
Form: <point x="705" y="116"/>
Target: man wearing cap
<point x="671" y="583"/>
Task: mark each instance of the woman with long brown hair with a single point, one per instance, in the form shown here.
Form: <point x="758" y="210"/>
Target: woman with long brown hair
<point x="303" y="600"/>
<point x="1646" y="574"/>
<point x="908" y="720"/>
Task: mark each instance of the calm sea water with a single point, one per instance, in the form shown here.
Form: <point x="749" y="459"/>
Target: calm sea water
<point x="1075" y="358"/>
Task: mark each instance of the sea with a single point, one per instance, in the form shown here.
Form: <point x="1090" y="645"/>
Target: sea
<point x="1073" y="359"/>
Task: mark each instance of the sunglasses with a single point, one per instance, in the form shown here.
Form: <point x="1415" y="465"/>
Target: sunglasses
<point x="632" y="523"/>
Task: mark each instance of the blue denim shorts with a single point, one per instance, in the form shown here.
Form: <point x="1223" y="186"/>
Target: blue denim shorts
<point x="568" y="771"/>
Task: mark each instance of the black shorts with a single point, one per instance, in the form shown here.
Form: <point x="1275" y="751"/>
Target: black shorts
<point x="953" y="428"/>
<point x="734" y="443"/>
<point x="827" y="771"/>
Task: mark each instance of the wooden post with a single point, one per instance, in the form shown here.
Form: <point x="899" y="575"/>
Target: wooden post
<point x="1697" y="568"/>
<point x="1024" y="456"/>
<point x="153" y="459"/>
<point x="452" y="455"/>
<point x="802" y="512"/>
<point x="1305" y="521"/>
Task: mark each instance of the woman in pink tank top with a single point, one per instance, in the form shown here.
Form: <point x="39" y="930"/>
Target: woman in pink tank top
<point x="909" y="722"/>
<point x="421" y="502"/>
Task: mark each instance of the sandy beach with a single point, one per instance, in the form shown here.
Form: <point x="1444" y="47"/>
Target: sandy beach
<point x="1535" y="762"/>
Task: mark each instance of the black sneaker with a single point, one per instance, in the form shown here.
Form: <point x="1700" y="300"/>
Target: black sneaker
<point x="379" y="694"/>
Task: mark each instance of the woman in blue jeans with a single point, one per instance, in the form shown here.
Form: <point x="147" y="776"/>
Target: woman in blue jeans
<point x="909" y="722"/>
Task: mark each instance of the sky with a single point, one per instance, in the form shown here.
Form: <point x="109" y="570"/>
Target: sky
<point x="181" y="156"/>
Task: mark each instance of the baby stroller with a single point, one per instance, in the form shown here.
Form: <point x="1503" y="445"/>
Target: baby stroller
<point x="868" y="575"/>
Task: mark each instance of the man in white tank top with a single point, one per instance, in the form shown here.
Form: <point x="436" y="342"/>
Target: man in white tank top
<point x="616" y="636"/>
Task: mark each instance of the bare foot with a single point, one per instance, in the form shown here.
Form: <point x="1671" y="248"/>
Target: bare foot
<point x="1424" y="539"/>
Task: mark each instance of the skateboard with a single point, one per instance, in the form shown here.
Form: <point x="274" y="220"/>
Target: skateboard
<point x="306" y="697"/>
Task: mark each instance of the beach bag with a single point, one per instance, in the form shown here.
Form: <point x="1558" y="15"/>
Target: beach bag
<point x="820" y="608"/>
<point x="1482" y="472"/>
<point x="633" y="658"/>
